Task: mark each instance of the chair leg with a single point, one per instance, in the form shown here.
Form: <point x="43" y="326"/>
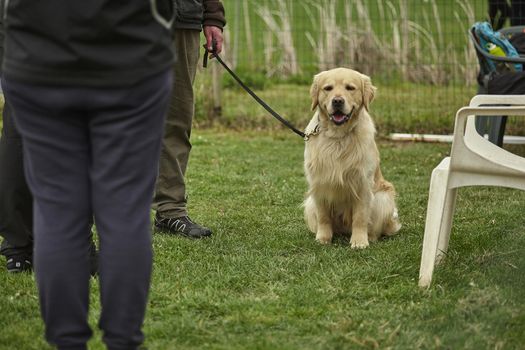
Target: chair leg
<point x="446" y="223"/>
<point x="439" y="216"/>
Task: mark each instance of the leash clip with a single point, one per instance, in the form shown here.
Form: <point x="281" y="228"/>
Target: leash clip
<point x="314" y="132"/>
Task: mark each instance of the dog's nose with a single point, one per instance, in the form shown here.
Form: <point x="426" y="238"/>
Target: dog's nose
<point x="338" y="102"/>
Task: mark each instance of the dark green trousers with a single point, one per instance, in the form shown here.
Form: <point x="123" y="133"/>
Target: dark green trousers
<point x="170" y="193"/>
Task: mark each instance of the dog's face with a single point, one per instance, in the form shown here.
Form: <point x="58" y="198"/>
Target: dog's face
<point x="340" y="94"/>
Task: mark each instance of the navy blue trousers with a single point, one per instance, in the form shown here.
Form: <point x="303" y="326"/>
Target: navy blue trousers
<point x="91" y="153"/>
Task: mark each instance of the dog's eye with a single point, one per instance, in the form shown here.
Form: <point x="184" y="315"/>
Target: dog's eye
<point x="350" y="87"/>
<point x="328" y="88"/>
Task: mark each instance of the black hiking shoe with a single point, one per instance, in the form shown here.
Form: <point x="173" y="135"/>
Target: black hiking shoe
<point x="19" y="263"/>
<point x="23" y="262"/>
<point x="181" y="226"/>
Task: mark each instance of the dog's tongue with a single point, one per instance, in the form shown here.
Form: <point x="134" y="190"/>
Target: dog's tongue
<point x="338" y="117"/>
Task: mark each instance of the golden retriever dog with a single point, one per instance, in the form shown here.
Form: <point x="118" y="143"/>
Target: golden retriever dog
<point x="346" y="190"/>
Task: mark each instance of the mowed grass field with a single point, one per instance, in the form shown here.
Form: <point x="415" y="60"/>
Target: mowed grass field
<point x="262" y="282"/>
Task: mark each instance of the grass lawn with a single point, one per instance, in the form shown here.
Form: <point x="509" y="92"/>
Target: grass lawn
<point x="262" y="282"/>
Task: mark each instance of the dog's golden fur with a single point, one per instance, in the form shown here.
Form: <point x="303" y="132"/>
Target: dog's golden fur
<point x="347" y="192"/>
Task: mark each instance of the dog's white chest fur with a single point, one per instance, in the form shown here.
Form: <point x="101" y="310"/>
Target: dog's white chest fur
<point x="343" y="162"/>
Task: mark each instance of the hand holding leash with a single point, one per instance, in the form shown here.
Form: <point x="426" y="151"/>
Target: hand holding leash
<point x="209" y="54"/>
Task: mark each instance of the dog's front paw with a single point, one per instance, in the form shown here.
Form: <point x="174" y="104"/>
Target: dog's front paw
<point x="323" y="239"/>
<point x="359" y="243"/>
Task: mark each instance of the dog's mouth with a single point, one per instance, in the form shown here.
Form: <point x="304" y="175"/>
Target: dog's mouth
<point x="339" y="118"/>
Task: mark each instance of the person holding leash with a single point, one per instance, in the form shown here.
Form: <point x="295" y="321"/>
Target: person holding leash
<point x="170" y="195"/>
<point x="89" y="83"/>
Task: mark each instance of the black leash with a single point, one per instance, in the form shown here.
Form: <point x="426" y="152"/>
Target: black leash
<point x="248" y="90"/>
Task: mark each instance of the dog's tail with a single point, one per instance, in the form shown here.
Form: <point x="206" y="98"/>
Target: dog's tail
<point x="384" y="211"/>
<point x="310" y="214"/>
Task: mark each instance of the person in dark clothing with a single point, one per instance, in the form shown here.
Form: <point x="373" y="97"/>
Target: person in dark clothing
<point x="170" y="195"/>
<point x="89" y="84"/>
<point x="499" y="12"/>
<point x="15" y="199"/>
<point x="517" y="15"/>
<point x="16" y="202"/>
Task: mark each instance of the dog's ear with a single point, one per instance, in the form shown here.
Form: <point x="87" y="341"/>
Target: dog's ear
<point x="314" y="92"/>
<point x="369" y="91"/>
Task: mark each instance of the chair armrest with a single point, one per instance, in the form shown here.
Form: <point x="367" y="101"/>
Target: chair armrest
<point x="492" y="111"/>
<point x="472" y="153"/>
<point x="494" y="100"/>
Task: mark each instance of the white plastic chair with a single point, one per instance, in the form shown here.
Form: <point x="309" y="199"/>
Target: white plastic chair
<point x="473" y="161"/>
